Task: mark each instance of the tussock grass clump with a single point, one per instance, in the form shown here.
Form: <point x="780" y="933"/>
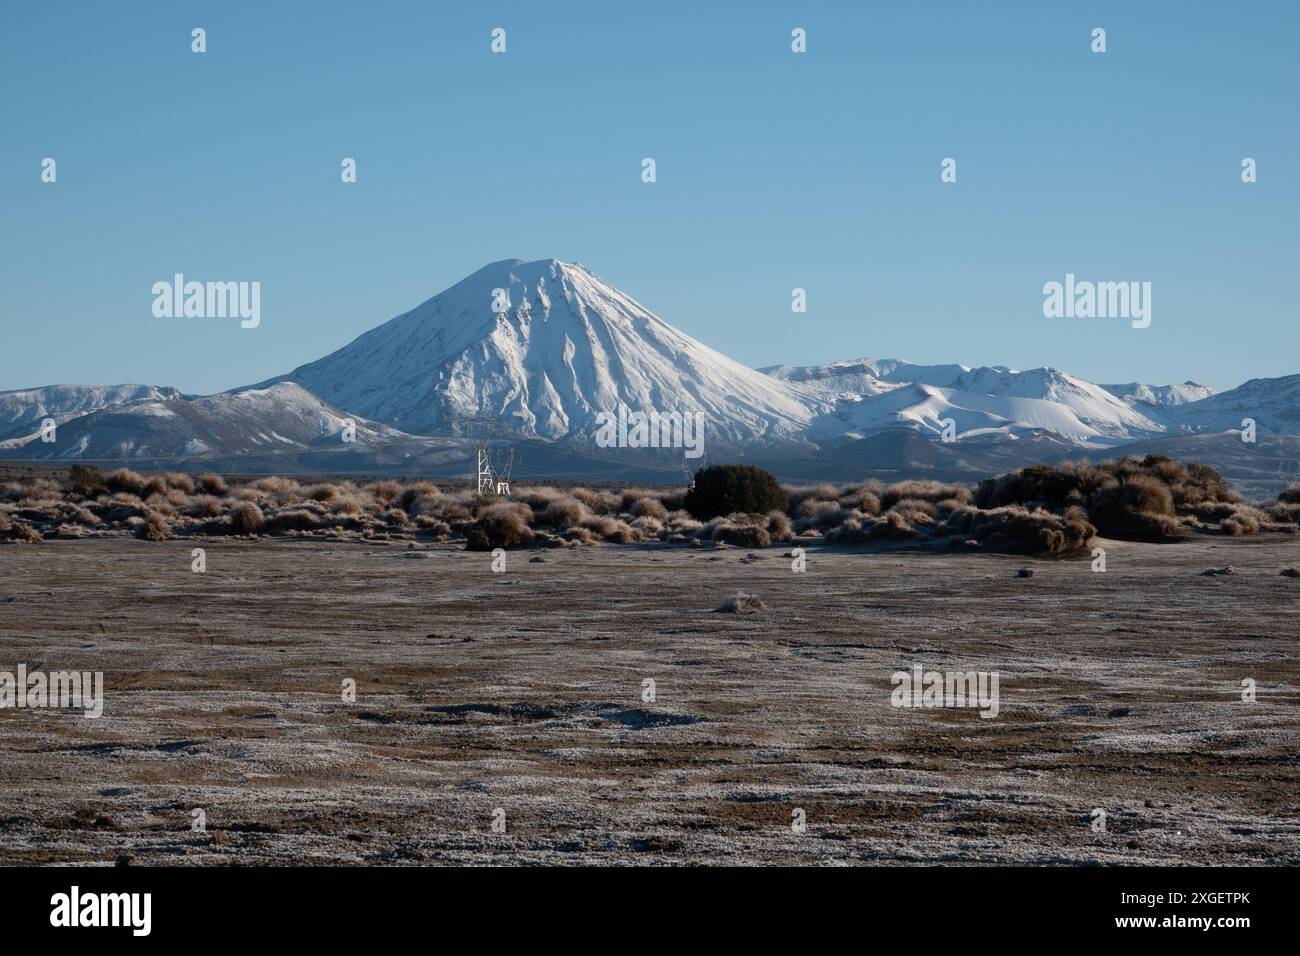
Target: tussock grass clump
<point x="1291" y="496"/>
<point x="563" y="512"/>
<point x="246" y="518"/>
<point x="293" y="519"/>
<point x="1138" y="507"/>
<point x="928" y="491"/>
<point x="86" y="481"/>
<point x="180" y="482"/>
<point x="412" y="493"/>
<point x="740" y="533"/>
<point x="153" y="528"/>
<point x="125" y="480"/>
<point x="502" y="525"/>
<point x="647" y="507"/>
<point x="386" y="492"/>
<point x="741" y="603"/>
<point x="15" y="530"/>
<point x="1017" y="530"/>
<point x="866" y="529"/>
<point x="779" y="526"/>
<point x="211" y="485"/>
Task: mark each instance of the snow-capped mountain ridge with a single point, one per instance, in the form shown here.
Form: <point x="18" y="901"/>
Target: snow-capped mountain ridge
<point x="23" y="410"/>
<point x="280" y="418"/>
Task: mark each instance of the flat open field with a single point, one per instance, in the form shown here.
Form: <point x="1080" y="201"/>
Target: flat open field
<point x="522" y="691"/>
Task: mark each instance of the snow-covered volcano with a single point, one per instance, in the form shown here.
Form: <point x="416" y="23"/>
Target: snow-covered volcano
<point x="554" y="348"/>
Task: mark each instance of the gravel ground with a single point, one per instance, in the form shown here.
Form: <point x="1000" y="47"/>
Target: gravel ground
<point x="519" y="697"/>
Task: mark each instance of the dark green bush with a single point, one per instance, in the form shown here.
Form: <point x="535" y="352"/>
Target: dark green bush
<point x="725" y="489"/>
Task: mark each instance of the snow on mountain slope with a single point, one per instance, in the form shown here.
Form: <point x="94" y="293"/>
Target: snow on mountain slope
<point x="282" y="417"/>
<point x="974" y="414"/>
<point x="1274" y="404"/>
<point x="839" y="380"/>
<point x="1084" y="412"/>
<point x="1160" y="396"/>
<point x="23" y="410"/>
<point x="568" y="347"/>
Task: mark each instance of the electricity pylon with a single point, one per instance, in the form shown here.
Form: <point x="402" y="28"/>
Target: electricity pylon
<point x="491" y="473"/>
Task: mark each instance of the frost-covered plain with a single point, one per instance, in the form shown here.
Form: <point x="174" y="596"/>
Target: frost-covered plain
<point x="523" y="691"/>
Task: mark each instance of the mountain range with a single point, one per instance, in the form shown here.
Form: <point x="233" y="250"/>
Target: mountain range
<point x="546" y="348"/>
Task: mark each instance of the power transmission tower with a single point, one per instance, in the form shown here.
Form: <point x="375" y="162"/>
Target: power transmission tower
<point x="491" y="475"/>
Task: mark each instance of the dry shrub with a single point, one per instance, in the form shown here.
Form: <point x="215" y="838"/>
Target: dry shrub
<point x="891" y="526"/>
<point x="283" y="490"/>
<point x="740" y="604"/>
<point x="823" y="514"/>
<point x="1285" y="512"/>
<point x="120" y="507"/>
<point x="83" y="516"/>
<point x="1245" y="521"/>
<point x="1290" y="496"/>
<point x="412" y="493"/>
<point x="563" y="512"/>
<point x="211" y="485"/>
<point x="538" y="497"/>
<point x="386" y="492"/>
<point x="609" y="529"/>
<point x="86" y="481"/>
<point x="180" y="482"/>
<point x="324" y="492"/>
<point x="42" y="493"/>
<point x="348" y="503"/>
<point x="204" y="506"/>
<point x="1140" y="507"/>
<point x="742" y="535"/>
<point x="915" y="511"/>
<point x="779" y="527"/>
<point x="648" y="508"/>
<point x="293" y="519"/>
<point x="1017" y="530"/>
<point x="1215" y="510"/>
<point x="501" y="525"/>
<point x="125" y="480"/>
<point x="647" y="527"/>
<point x="801" y="501"/>
<point x="580" y="535"/>
<point x="600" y="502"/>
<point x="623" y="533"/>
<point x="246" y="518"/>
<point x="927" y="491"/>
<point x="1199" y="483"/>
<point x="153" y="528"/>
<point x="432" y="525"/>
<point x="19" y="531"/>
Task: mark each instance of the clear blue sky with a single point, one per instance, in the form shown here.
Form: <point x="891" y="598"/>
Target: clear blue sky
<point x="775" y="170"/>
